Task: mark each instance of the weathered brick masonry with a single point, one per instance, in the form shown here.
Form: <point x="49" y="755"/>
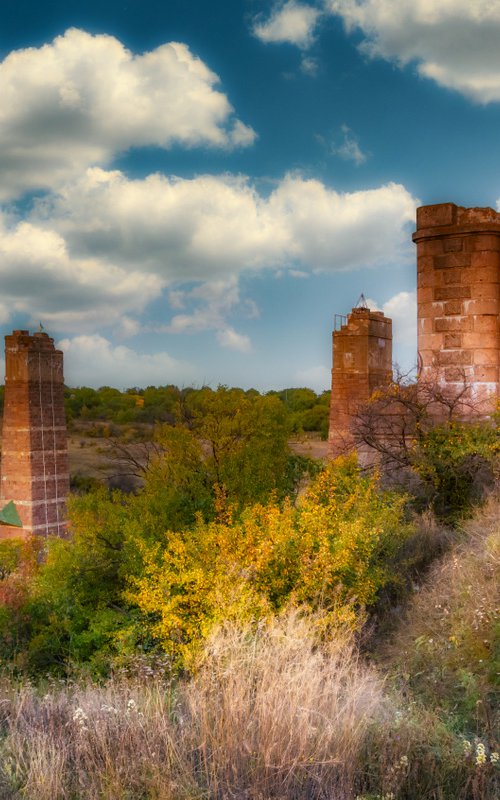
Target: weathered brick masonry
<point x="362" y="361"/>
<point x="34" y="447"/>
<point x="458" y="256"/>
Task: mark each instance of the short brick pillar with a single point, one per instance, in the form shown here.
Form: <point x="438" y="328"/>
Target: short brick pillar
<point x="362" y="362"/>
<point x="34" y="446"/>
<point x="458" y="258"/>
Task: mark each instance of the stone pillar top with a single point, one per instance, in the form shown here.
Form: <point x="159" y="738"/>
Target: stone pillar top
<point x="24" y="340"/>
<point x="447" y="218"/>
<point x="366" y="312"/>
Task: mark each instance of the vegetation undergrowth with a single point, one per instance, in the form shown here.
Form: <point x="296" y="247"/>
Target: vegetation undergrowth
<point x="211" y="635"/>
<point x="273" y="711"/>
<point x="123" y="582"/>
<point x="447" y="650"/>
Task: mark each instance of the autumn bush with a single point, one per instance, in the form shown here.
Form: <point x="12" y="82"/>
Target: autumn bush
<point x="333" y="552"/>
<point x="126" y="581"/>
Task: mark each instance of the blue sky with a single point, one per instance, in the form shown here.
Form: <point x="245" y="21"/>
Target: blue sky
<point x="191" y="189"/>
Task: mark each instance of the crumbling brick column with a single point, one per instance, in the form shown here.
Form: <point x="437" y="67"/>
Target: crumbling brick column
<point x="34" y="446"/>
<point x="362" y="362"/>
<point x="458" y="256"/>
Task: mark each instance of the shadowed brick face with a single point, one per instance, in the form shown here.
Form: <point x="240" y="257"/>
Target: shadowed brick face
<point x="362" y="361"/>
<point x="34" y="448"/>
<point x="458" y="257"/>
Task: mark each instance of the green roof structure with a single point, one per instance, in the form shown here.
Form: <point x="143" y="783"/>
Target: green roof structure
<point x="9" y="516"/>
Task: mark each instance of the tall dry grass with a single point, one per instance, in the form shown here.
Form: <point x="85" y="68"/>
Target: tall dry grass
<point x="277" y="715"/>
<point x="269" y="714"/>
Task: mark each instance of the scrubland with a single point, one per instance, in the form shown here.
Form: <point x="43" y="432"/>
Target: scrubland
<point x="276" y="710"/>
<point x="221" y="635"/>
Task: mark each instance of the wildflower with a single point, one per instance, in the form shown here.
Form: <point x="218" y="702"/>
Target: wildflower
<point x="80" y="718"/>
<point x="403" y="761"/>
<point x="131" y="706"/>
<point x="494" y="757"/>
<point x="480" y="754"/>
<point x="109" y="709"/>
<point x="467" y="747"/>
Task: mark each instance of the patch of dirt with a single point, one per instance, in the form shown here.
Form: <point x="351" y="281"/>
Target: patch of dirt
<point x="310" y="446"/>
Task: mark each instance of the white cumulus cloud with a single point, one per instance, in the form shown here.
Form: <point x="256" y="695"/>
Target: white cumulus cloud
<point x="453" y="42"/>
<point x="228" y="337"/>
<point x="81" y="99"/>
<point x="215" y="227"/>
<point x="95" y="361"/>
<point x="290" y="22"/>
<point x="97" y="252"/>
<point x="42" y="279"/>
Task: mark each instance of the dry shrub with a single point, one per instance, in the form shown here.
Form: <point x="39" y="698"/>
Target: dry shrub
<point x="275" y="715"/>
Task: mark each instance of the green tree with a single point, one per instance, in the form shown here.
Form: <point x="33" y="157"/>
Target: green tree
<point x="245" y="440"/>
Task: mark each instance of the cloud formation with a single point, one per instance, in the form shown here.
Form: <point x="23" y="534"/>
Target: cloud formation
<point x="83" y="98"/>
<point x="211" y="305"/>
<point x="453" y="42"/>
<point x="290" y="22"/>
<point x="215" y="227"/>
<point x="94" y="361"/>
<point x="105" y="246"/>
<point x="42" y="279"/>
<point x="349" y="149"/>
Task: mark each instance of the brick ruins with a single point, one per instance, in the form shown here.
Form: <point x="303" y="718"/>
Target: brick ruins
<point x="34" y="447"/>
<point x="458" y="258"/>
<point x="362" y="361"/>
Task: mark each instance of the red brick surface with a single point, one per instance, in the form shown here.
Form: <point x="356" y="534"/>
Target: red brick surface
<point x="458" y="290"/>
<point x="362" y="361"/>
<point x="34" y="449"/>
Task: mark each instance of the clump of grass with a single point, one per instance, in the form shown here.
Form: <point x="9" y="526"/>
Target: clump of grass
<point x="447" y="649"/>
<point x="280" y="715"/>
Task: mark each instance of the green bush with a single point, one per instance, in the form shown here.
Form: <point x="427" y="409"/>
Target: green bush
<point x="457" y="461"/>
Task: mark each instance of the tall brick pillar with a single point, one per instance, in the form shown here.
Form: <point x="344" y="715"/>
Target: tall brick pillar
<point x="458" y="254"/>
<point x="34" y="448"/>
<point x="362" y="361"/>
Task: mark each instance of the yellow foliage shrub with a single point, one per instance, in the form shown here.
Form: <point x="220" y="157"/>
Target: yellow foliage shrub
<point x="334" y="552"/>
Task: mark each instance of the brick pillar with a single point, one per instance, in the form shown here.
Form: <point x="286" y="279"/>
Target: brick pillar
<point x="458" y="255"/>
<point x="34" y="447"/>
<point x="362" y="361"/>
